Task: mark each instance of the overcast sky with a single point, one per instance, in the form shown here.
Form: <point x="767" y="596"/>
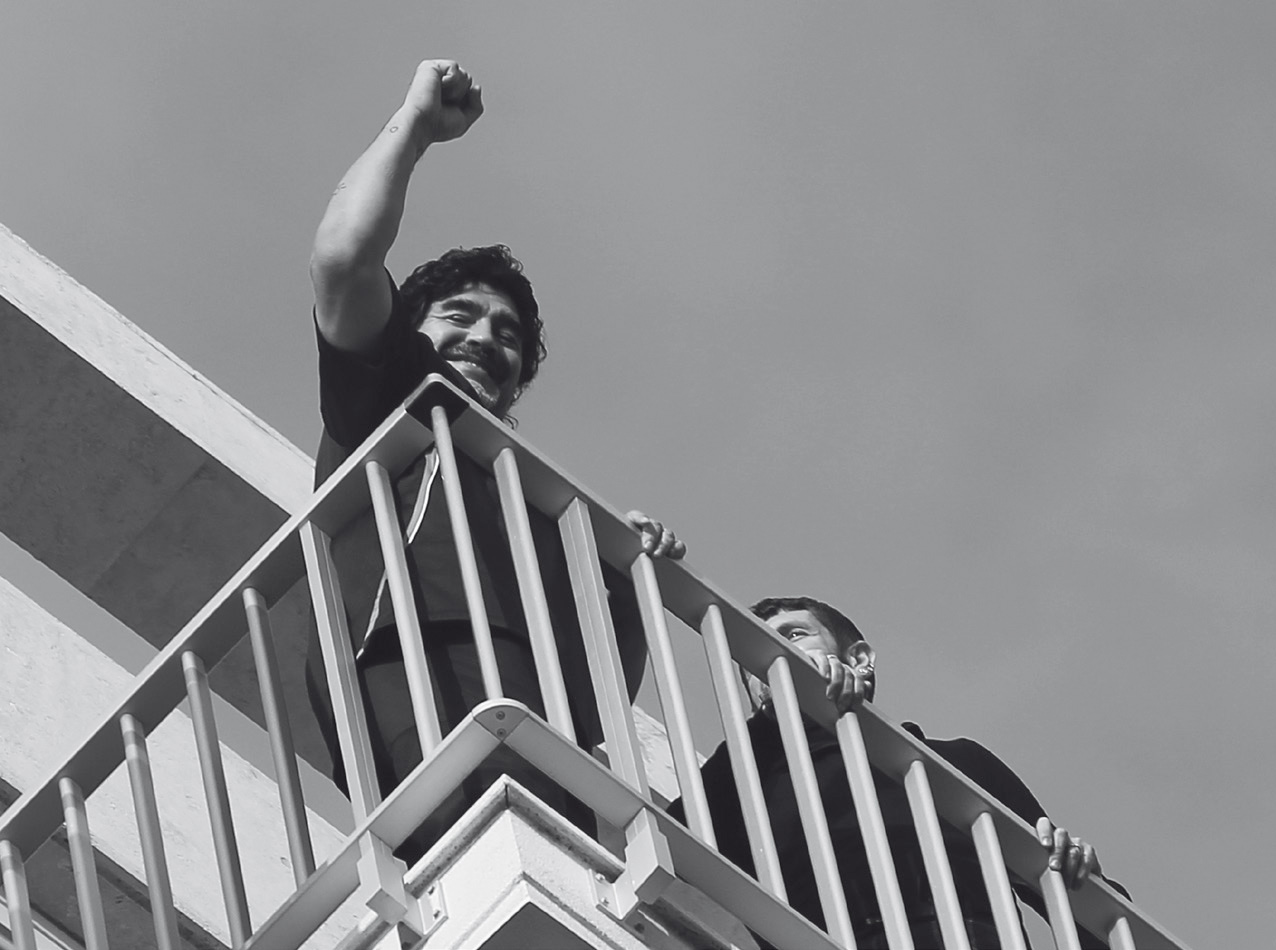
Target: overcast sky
<point x="959" y="318"/>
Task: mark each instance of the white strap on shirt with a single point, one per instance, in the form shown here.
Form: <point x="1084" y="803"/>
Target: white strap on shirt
<point x="414" y="526"/>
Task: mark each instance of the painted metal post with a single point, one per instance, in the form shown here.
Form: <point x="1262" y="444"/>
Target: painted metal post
<point x="282" y="750"/>
<point x="806" y="791"/>
<point x="540" y="630"/>
<point x="222" y="823"/>
<point x="163" y="913"/>
<point x="744" y="765"/>
<point x="935" y="856"/>
<point x="877" y="846"/>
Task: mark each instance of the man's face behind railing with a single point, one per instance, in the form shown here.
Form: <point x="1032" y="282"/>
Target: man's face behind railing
<point x="847" y="663"/>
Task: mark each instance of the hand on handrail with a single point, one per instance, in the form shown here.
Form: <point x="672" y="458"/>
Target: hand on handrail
<point x="849" y="686"/>
<point x="1073" y="858"/>
<point x="657" y="540"/>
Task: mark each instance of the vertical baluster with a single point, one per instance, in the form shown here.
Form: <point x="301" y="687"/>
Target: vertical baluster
<point x="282" y="751"/>
<point x="935" y="856"/>
<point x="744" y="766"/>
<point x="343" y="683"/>
<point x="1004" y="912"/>
<point x="669" y="688"/>
<point x="88" y="893"/>
<point x="876" y="845"/>
<point x="549" y="671"/>
<point x="806" y="791"/>
<point x="150" y="834"/>
<point x="219" y="815"/>
<point x="411" y="643"/>
<point x="1059" y="910"/>
<point x="647" y="854"/>
<point x="14" y="874"/>
<point x="380" y="873"/>
<point x="610" y="689"/>
<point x="465" y="552"/>
<point x="1120" y="936"/>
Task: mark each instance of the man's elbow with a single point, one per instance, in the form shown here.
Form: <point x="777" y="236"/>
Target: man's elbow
<point x="335" y="260"/>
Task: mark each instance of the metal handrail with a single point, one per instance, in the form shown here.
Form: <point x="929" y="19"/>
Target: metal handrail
<point x="592" y="530"/>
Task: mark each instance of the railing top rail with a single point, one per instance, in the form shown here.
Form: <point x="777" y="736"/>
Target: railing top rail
<point x="755" y="646"/>
<point x="218" y="626"/>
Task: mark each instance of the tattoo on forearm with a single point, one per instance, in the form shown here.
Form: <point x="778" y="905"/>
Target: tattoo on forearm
<point x="420" y="147"/>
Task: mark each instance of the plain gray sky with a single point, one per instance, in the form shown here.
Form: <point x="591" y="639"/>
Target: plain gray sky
<point x="959" y="318"/>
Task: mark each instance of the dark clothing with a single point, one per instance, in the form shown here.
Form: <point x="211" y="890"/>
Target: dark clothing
<point x="458" y="688"/>
<point x="972" y="759"/>
<point x="357" y="393"/>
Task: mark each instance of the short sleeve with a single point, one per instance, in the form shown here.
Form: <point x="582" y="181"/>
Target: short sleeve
<point x="358" y="391"/>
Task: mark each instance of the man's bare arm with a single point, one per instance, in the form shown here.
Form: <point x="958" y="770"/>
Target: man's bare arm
<point x="347" y="265"/>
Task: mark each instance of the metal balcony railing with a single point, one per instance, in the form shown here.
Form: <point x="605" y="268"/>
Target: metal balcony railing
<point x="658" y="847"/>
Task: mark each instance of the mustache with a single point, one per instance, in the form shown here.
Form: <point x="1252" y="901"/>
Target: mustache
<point x="491" y="360"/>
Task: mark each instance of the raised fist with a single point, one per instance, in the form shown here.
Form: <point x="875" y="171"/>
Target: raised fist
<point x="446" y="100"/>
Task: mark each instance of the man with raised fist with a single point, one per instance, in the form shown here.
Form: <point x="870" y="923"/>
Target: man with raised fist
<point x="471" y="316"/>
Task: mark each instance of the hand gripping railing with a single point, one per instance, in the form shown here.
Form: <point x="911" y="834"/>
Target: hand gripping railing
<point x="657" y="847"/>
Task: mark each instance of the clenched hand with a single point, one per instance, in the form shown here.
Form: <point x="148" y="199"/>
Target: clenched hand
<point x="446" y="100"/>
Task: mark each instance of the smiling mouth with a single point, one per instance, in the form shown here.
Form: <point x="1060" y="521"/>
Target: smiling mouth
<point x="481" y="378"/>
<point x="470" y="368"/>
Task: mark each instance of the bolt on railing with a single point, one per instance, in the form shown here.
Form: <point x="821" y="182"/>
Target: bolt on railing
<point x="657" y="846"/>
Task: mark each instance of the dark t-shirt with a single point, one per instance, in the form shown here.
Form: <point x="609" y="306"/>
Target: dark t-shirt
<point x="357" y="393"/>
<point x="969" y="757"/>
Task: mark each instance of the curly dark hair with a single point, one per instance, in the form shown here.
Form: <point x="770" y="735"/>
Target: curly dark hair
<point x="499" y="269"/>
<point x="837" y="622"/>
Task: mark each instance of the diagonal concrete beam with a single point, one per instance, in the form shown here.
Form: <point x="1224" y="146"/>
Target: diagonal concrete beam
<point x="132" y="476"/>
<point x="158" y="380"/>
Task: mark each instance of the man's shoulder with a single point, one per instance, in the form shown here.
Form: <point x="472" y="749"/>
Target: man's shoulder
<point x="961" y="751"/>
<point x="985" y="769"/>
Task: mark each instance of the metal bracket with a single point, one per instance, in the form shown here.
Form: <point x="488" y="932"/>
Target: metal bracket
<point x="648" y="872"/>
<point x="429" y="911"/>
<point x="619" y="900"/>
<point x="381" y="880"/>
<point x="425" y="914"/>
<point x="500" y="717"/>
